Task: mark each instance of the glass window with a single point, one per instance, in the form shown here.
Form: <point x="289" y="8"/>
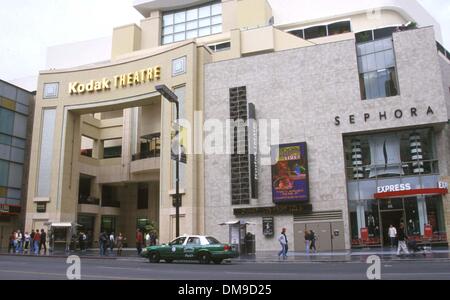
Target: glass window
<point x="168" y="19"/>
<point x="5" y="151"/>
<point x="178" y="241"/>
<point x="20" y="126"/>
<point x="315" y="32"/>
<point x="339" y="28"/>
<point x="216" y="29"/>
<point x="204" y="31"/>
<point x="4" y="173"/>
<point x="168" y="39"/>
<point x="15" y="175"/>
<point x="191" y="34"/>
<point x="204" y="22"/>
<point x="192" y="14"/>
<point x="299" y="33"/>
<point x="112" y="148"/>
<point x="193" y="241"/>
<point x="7" y="121"/>
<point x="46" y="153"/>
<point x="167" y="30"/>
<point x="216" y="9"/>
<point x="5" y="139"/>
<point x="212" y="241"/>
<point x="17" y="155"/>
<point x="179" y="37"/>
<point x="180" y="17"/>
<point x="364" y="36"/>
<point x="204" y="11"/>
<point x="182" y="25"/>
<point x="384" y="32"/>
<point x="376" y="65"/>
<point x="14" y="194"/>
<point x="192" y="25"/>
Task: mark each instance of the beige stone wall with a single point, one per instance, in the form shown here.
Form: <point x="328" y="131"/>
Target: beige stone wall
<point x="67" y="163"/>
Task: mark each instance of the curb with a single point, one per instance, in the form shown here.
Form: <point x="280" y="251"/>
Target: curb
<point x="66" y="255"/>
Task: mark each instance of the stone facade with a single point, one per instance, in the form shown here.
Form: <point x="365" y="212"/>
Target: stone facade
<point x="305" y="89"/>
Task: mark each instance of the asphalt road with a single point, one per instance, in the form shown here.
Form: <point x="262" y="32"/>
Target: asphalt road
<point x="40" y="268"/>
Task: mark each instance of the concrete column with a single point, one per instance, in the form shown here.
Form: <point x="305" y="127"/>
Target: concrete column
<point x="361" y="217"/>
<point x="422" y="210"/>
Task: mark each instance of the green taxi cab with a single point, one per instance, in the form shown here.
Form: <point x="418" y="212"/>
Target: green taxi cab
<point x="190" y="247"/>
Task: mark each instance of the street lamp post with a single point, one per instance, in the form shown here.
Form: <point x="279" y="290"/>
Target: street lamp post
<point x="172" y="98"/>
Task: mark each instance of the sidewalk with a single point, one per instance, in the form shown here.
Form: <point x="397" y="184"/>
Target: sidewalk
<point x="387" y="254"/>
<point x="355" y="256"/>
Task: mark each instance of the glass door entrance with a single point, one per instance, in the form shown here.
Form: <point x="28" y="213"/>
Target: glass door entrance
<point x="388" y="218"/>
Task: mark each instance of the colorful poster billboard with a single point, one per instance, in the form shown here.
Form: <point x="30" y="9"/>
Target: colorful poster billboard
<point x="290" y="173"/>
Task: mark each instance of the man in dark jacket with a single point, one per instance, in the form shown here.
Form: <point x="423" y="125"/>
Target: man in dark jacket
<point x="401" y="235"/>
<point x="43" y="242"/>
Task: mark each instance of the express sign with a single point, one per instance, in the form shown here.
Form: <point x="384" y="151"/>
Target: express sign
<point x="394" y="188"/>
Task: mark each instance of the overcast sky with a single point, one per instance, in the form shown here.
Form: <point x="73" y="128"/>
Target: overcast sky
<point x="28" y="27"/>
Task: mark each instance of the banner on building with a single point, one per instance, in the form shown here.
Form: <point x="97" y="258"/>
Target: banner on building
<point x="178" y="143"/>
<point x="290" y="173"/>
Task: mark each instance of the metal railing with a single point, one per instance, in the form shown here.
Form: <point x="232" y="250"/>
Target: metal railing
<point x="110" y="203"/>
<point x="147" y="154"/>
<point x="411" y="168"/>
<point x="88" y="200"/>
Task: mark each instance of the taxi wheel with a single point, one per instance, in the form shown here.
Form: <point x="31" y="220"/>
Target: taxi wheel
<point x="204" y="258"/>
<point x="217" y="261"/>
<point x="169" y="260"/>
<point x="153" y="257"/>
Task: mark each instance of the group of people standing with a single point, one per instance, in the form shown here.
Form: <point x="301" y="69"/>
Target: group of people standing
<point x="144" y="241"/>
<point x="310" y="242"/>
<point x="28" y="243"/>
<point x="110" y="242"/>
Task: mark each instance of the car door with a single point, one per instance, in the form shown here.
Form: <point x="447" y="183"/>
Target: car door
<point x="191" y="247"/>
<point x="174" y="250"/>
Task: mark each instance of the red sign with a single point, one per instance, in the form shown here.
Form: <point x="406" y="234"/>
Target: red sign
<point x="365" y="234"/>
<point x="409" y="193"/>
<point x="428" y="234"/>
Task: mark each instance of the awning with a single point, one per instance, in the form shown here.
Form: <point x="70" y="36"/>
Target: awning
<point x="237" y="222"/>
<point x="411" y="193"/>
<point x="60" y="224"/>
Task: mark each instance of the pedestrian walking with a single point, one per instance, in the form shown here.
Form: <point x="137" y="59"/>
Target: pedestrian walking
<point x="153" y="238"/>
<point x="312" y="238"/>
<point x="119" y="244"/>
<point x="12" y="242"/>
<point x="36" y="242"/>
<point x="43" y="242"/>
<point x="32" y="241"/>
<point x="111" y="242"/>
<point x="147" y="239"/>
<point x="26" y="246"/>
<point x="392" y="232"/>
<point x="284" y="244"/>
<point x="81" y="241"/>
<point x="139" y="241"/>
<point x="18" y="241"/>
<point x="102" y="242"/>
<point x="402" y="237"/>
<point x="307" y="240"/>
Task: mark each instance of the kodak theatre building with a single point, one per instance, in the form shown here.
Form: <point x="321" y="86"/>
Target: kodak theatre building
<point x="357" y="95"/>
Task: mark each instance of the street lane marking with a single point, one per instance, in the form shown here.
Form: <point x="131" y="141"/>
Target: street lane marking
<point x="82" y="276"/>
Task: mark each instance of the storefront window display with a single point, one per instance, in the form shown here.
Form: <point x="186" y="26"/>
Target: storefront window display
<point x="364" y="216"/>
<point x="376" y="216"/>
<point x="435" y="215"/>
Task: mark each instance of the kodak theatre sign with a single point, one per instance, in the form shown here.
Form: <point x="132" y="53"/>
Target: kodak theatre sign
<point x="118" y="81"/>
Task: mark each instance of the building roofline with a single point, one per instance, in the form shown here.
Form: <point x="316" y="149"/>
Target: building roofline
<point x="18" y="87"/>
